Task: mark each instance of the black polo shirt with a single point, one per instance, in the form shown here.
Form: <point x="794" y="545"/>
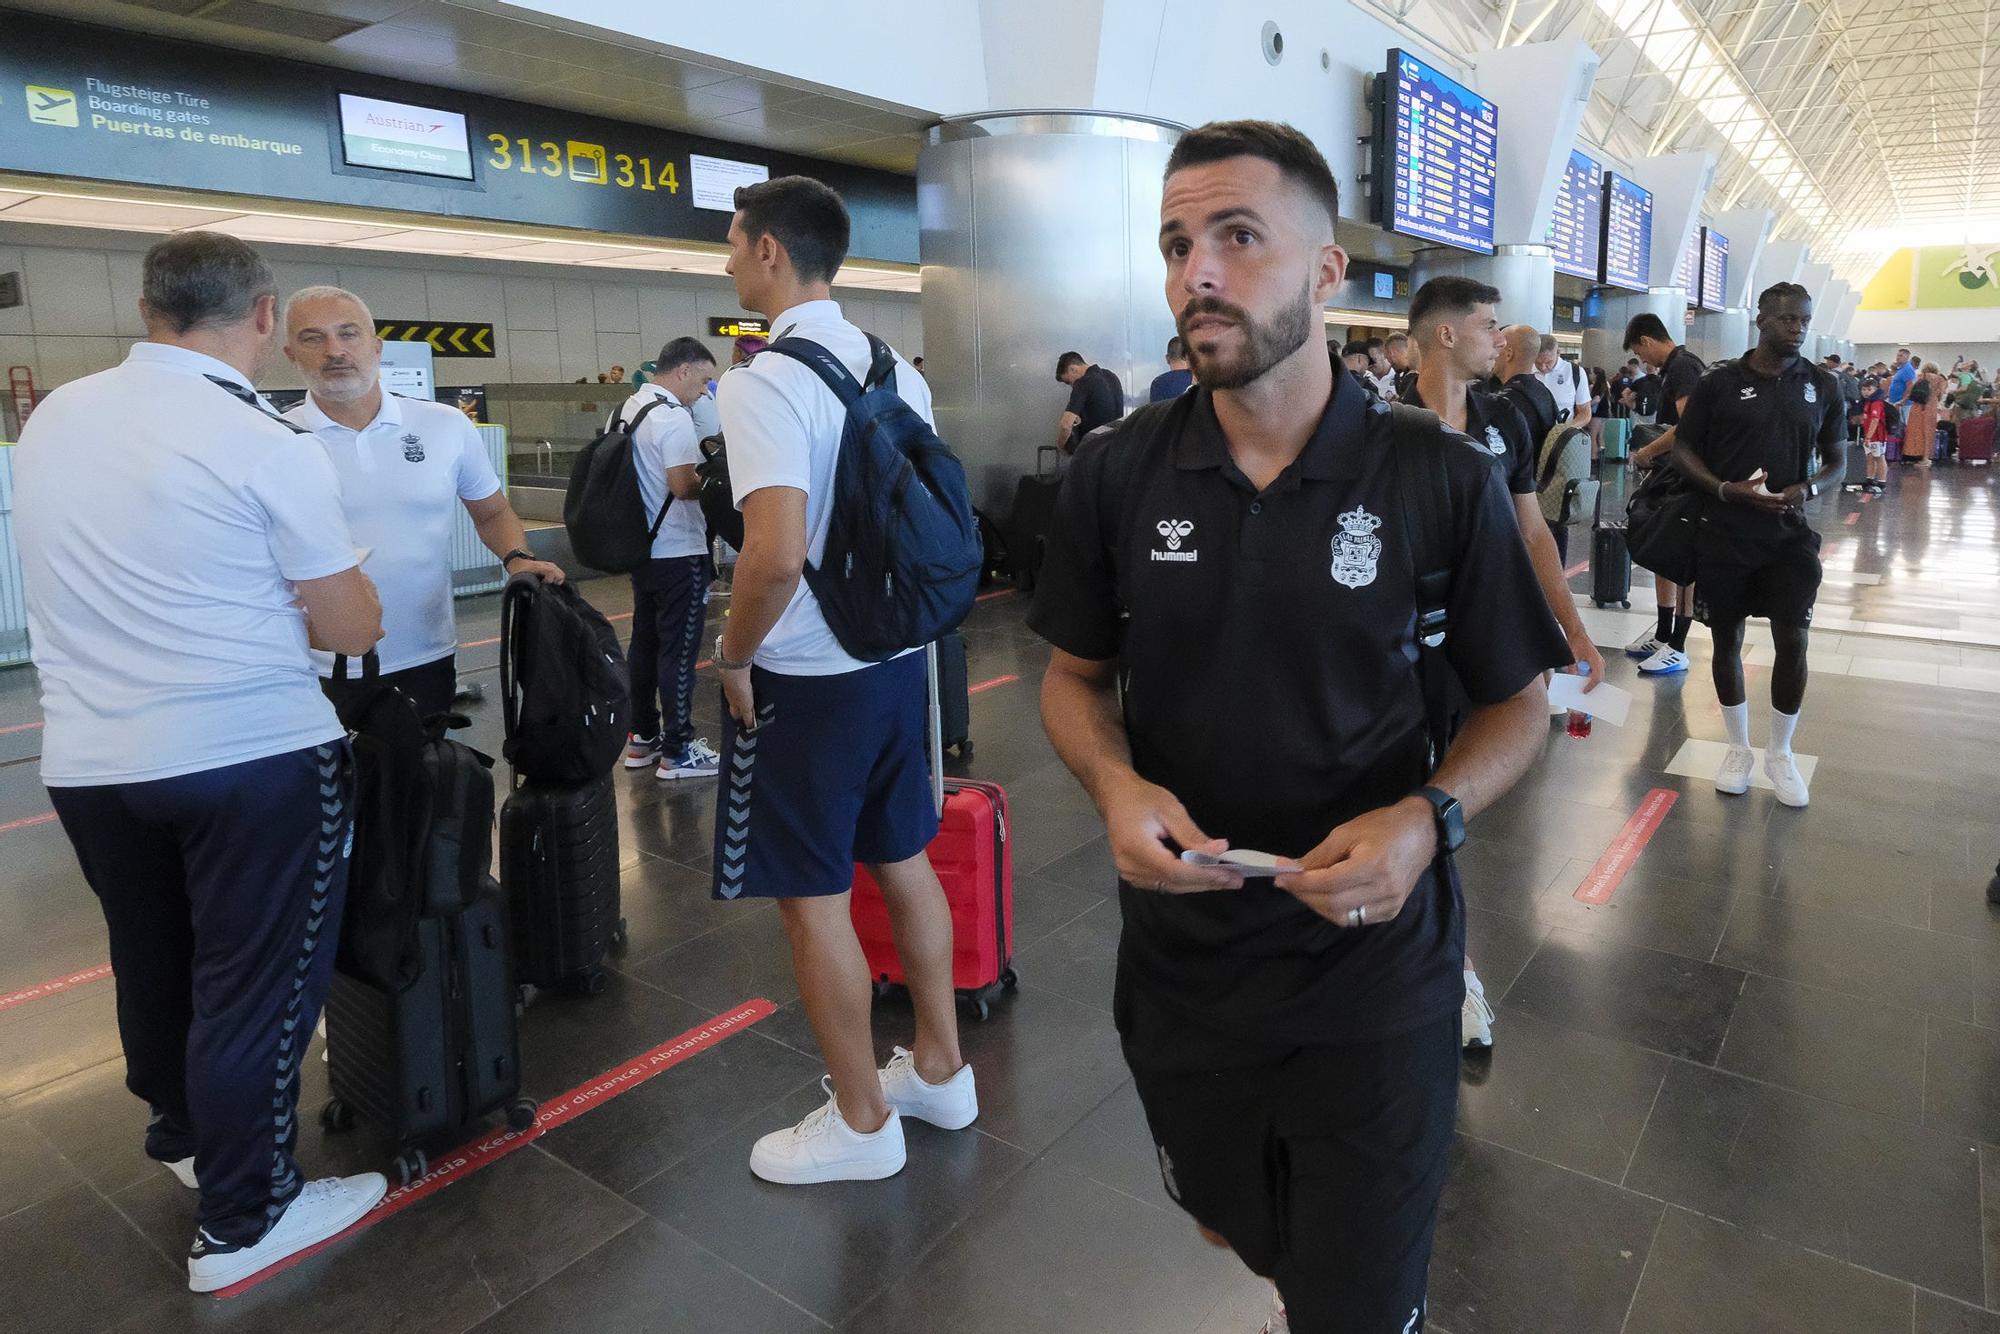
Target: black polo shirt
<point x="1096" y="398"/>
<point x="1677" y="380"/>
<point x="1532" y="399"/>
<point x="1271" y="686"/>
<point x="1738" y="421"/>
<point x="1493" y="423"/>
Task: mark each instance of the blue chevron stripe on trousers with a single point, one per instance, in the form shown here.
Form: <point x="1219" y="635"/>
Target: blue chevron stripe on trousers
<point x="222" y="891"/>
<point x="669" y="600"/>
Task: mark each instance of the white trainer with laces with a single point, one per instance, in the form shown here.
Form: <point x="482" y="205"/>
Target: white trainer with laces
<point x="183" y="1170"/>
<point x="641" y="751"/>
<point x="1783" y="771"/>
<point x="1665" y="662"/>
<point x="1475" y="1017"/>
<point x="823" y="1147"/>
<point x="952" y="1105"/>
<point x="697" y="759"/>
<point x="1645" y="646"/>
<point x="1279" y="1323"/>
<point x="1734" y="775"/>
<point x="324" y="1208"/>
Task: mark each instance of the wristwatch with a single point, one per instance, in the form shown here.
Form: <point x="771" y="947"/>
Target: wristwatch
<point x="724" y="663"/>
<point x="1450" y="819"/>
<point x="1812" y="490"/>
<point x="514" y="555"/>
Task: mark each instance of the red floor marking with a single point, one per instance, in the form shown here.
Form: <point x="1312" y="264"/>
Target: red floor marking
<point x="18" y="727"/>
<point x="1576" y="569"/>
<point x="1868" y="497"/>
<point x="1605" y="877"/>
<point x="557" y="1111"/>
<point x="988" y="685"/>
<point x="41" y="989"/>
<point x="1853" y="518"/>
<point x="997" y="593"/>
<point x="27" y="823"/>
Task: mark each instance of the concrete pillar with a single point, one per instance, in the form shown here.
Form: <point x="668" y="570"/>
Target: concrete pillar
<point x="1717" y="334"/>
<point x="1038" y="235"/>
<point x="1610" y="309"/>
<point x="1525" y="275"/>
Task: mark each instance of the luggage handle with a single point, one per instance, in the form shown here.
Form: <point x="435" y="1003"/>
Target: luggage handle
<point x="1052" y="473"/>
<point x="936" y="728"/>
<point x="371" y="667"/>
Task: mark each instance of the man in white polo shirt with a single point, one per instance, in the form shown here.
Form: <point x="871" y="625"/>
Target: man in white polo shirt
<point x="670" y="591"/>
<point x="181" y="545"/>
<point x="1566" y="383"/>
<point x="404" y="466"/>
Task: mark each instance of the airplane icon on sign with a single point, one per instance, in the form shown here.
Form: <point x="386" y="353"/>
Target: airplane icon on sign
<point x="51" y="106"/>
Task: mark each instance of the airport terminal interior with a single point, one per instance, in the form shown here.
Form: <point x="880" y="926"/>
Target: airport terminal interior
<point x="1744" y="1063"/>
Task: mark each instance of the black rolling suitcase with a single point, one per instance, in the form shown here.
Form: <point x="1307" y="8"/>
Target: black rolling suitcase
<point x="1034" y="510"/>
<point x="1610" y="558"/>
<point x="421" y="1036"/>
<point x="559" y="861"/>
<point x="954" y="696"/>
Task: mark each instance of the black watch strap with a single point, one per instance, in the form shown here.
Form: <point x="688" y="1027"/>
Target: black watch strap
<point x="1450" y="818"/>
<point x="516" y="554"/>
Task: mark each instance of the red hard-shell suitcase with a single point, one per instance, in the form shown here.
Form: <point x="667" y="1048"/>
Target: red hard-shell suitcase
<point x="1975" y="440"/>
<point x="974" y="861"/>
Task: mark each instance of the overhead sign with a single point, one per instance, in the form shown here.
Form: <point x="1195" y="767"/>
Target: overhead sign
<point x="448" y="338"/>
<point x="99" y="104"/>
<point x="1628" y="233"/>
<point x="1575" y="225"/>
<point x="1714" y="269"/>
<point x="395" y="136"/>
<point x="1437" y="149"/>
<point x="723" y="327"/>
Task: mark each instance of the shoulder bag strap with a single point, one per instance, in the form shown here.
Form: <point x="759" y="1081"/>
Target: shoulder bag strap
<point x="1415" y="436"/>
<point x="666" y="504"/>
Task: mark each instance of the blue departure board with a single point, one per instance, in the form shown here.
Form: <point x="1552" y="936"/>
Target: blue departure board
<point x="1628" y="234"/>
<point x="1576" y="224"/>
<point x="1714" y="269"/>
<point x="1442" y="142"/>
<point x="1687" y="273"/>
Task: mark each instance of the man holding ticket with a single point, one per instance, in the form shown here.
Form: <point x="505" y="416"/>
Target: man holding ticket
<point x="1242" y="554"/>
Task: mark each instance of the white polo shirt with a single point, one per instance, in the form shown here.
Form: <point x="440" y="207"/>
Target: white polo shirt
<point x="783" y="427"/>
<point x="666" y="439"/>
<point x="1569" y="386"/>
<point x="162" y="523"/>
<point x="402" y="478"/>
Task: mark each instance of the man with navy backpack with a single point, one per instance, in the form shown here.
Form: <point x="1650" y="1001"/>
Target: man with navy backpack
<point x="824" y="757"/>
<point x="670" y="591"/>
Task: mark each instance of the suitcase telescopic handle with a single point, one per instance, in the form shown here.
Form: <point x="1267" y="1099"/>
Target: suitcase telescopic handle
<point x="936" y="728"/>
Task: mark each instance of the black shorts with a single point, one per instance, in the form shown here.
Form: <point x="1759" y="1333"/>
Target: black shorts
<point x="1321" y="1166"/>
<point x="1776" y="577"/>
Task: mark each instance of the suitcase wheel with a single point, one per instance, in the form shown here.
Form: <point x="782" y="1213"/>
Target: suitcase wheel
<point x="592" y="983"/>
<point x="521" y="1113"/>
<point x="411" y="1166"/>
<point x="1009" y="978"/>
<point x="336" y="1117"/>
<point x="619" y="935"/>
<point x="982" y="1009"/>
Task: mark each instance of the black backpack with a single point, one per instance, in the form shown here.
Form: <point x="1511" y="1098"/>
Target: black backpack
<point x="423" y="829"/>
<point x="563" y="684"/>
<point x="718" y="502"/>
<point x="603" y="508"/>
<point x="1920" y="391"/>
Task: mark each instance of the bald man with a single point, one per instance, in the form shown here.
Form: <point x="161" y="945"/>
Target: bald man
<point x="1514" y="377"/>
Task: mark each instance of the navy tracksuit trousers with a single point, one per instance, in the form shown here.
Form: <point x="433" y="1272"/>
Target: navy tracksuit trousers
<point x="222" y="891"/>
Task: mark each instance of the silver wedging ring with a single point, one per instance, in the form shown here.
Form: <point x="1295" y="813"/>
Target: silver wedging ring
<point x="1357" y="916"/>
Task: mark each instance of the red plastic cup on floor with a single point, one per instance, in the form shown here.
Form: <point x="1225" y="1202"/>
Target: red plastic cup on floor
<point x="1579" y="723"/>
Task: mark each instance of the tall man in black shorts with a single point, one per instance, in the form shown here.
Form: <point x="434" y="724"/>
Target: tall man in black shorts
<point x="1748" y="437"/>
<point x="1243" y="555"/>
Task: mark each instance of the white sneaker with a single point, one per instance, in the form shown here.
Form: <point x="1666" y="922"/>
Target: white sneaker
<point x="641" y="751"/>
<point x="823" y="1147"/>
<point x="1734" y="775"/>
<point x="1279" y="1323"/>
<point x="952" y="1105"/>
<point x="183" y="1170"/>
<point x="323" y="1209"/>
<point x="1645" y="646"/>
<point x="1475" y="1017"/>
<point x="1783" y="771"/>
<point x="1668" y="660"/>
<point x="697" y="759"/>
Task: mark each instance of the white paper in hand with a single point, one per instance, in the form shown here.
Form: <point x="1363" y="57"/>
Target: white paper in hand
<point x="1607" y="702"/>
<point x="1246" y="863"/>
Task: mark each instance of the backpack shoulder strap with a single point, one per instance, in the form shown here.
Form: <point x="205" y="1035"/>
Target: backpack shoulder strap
<point x="823" y="364"/>
<point x="1553" y="449"/>
<point x="1417" y="439"/>
<point x="638" y="417"/>
<point x="881" y="364"/>
<point x="667" y="504"/>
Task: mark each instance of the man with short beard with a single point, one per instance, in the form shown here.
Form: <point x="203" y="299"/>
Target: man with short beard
<point x="402" y="463"/>
<point x="1240" y="562"/>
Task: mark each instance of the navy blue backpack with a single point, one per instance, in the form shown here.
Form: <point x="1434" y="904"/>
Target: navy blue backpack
<point x="903" y="551"/>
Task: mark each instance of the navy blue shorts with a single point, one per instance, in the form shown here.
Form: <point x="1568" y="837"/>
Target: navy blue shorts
<point x="836" y="773"/>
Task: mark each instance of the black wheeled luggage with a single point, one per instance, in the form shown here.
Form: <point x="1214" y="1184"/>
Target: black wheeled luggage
<point x="1610" y="558"/>
<point x="954" y="696"/>
<point x="559" y="862"/>
<point x="427" y="1045"/>
<point x="1034" y="511"/>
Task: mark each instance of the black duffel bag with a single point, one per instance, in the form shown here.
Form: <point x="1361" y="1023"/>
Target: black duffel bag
<point x="1662" y="519"/>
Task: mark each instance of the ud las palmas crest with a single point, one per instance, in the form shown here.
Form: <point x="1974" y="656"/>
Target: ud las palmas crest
<point x="1356" y="549"/>
<point x="413" y="448"/>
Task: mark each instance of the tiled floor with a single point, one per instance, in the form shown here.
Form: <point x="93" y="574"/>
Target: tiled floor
<point x="1758" y="1091"/>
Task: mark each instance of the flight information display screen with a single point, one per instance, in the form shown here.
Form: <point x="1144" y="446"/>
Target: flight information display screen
<point x="1628" y="233"/>
<point x="1442" y="142"/>
<point x="1714" y="269"/>
<point x="396" y="136"/>
<point x="1575" y="226"/>
<point x="1687" y="273"/>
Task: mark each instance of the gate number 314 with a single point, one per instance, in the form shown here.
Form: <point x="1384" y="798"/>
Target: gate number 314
<point x="588" y="163"/>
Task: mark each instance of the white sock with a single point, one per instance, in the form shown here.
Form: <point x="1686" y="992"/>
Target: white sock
<point x="1782" y="727"/>
<point x="1736" y="722"/>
